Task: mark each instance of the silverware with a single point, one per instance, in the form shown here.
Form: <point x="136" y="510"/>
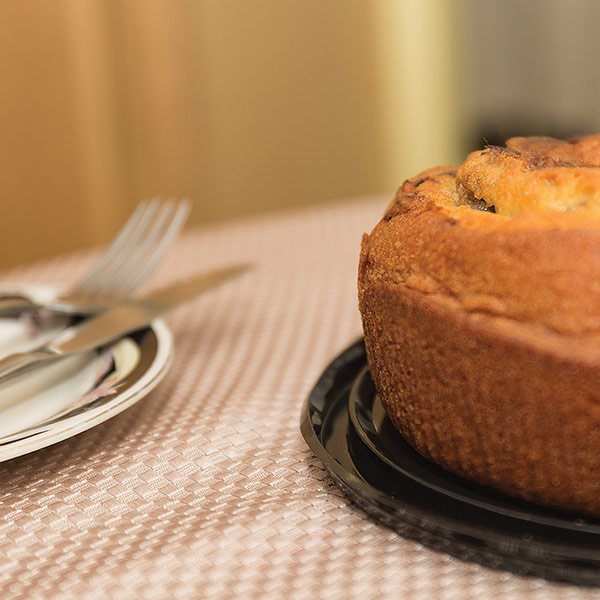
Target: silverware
<point x="115" y="322"/>
<point x="125" y="265"/>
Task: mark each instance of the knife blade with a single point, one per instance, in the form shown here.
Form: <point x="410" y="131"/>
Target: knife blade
<point x="116" y="322"/>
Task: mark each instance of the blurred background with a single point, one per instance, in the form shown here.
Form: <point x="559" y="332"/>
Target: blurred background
<point x="249" y="106"/>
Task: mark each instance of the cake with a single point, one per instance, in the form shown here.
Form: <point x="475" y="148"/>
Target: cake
<point x="479" y="292"/>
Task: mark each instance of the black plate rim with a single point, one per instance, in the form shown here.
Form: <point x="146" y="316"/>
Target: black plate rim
<point x="524" y="514"/>
<point x="532" y="555"/>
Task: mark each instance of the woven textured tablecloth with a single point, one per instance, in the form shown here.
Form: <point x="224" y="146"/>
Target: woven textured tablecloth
<point x="206" y="489"/>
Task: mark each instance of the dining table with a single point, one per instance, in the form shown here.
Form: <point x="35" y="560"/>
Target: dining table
<point x="205" y="488"/>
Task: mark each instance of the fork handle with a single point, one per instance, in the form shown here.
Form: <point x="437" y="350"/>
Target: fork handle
<point x="23" y="362"/>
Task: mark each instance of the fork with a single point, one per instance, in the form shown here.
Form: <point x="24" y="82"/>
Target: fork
<point x="125" y="265"/>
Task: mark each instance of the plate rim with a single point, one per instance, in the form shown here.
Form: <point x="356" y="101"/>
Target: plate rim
<point x="525" y="514"/>
<point x="373" y="500"/>
<point x="73" y="425"/>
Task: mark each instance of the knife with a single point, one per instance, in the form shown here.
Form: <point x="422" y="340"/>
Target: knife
<point x="115" y="322"/>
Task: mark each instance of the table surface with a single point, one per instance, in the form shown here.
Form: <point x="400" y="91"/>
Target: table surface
<point x="206" y="488"/>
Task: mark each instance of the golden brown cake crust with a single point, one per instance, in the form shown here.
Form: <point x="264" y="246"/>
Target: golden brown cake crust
<point x="483" y="330"/>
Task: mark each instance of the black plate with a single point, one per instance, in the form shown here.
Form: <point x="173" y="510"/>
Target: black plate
<point x="375" y="429"/>
<point x="423" y="502"/>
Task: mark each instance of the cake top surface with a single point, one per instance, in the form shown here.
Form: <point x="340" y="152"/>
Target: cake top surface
<point x="512" y="235"/>
<point x="542" y="180"/>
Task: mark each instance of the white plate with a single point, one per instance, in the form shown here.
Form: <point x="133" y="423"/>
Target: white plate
<point x="64" y="399"/>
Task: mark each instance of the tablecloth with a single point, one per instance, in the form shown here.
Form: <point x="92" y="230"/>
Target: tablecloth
<point x="206" y="489"/>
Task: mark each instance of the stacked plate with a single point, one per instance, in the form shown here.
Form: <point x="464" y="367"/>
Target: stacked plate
<point x="66" y="398"/>
<point x="345" y="425"/>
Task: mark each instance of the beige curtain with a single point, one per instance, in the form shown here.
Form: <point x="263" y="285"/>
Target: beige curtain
<point x="243" y="106"/>
<point x="419" y="86"/>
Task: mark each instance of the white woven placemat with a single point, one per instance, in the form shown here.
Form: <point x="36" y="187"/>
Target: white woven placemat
<point x="206" y="489"/>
